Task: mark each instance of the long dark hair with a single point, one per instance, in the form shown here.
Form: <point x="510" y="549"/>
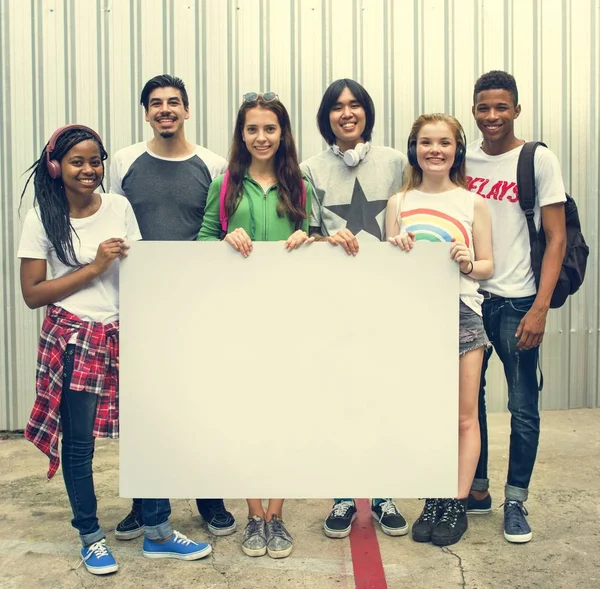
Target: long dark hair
<point x="287" y="169"/>
<point x="50" y="196"/>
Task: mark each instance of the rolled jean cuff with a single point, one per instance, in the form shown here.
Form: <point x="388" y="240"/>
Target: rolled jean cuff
<point x="159" y="532"/>
<point x="515" y="493"/>
<point x="480" y="485"/>
<point x="92" y="538"/>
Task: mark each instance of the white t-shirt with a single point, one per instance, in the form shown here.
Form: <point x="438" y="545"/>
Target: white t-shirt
<point x="98" y="300"/>
<point x="494" y="177"/>
<point x="442" y="217"/>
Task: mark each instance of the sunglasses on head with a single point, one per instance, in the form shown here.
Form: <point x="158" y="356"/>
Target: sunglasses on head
<point x="266" y="96"/>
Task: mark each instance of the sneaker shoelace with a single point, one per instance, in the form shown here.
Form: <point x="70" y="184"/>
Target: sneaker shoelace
<point x="180" y="538"/>
<point x="254" y="527"/>
<point x="430" y="511"/>
<point x="219" y="513"/>
<point x="277" y="528"/>
<point x="98" y="549"/>
<point x="387" y="507"/>
<point x="452" y="509"/>
<point x="515" y="511"/>
<point x="340" y="509"/>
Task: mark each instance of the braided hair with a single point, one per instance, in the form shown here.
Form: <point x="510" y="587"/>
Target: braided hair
<point x="50" y="196"/>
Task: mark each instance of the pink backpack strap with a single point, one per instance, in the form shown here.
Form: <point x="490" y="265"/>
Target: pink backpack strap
<point x="222" y="195"/>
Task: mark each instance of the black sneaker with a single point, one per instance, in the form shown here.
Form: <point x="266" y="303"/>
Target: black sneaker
<point x="452" y="524"/>
<point x="131" y="527"/>
<point x="422" y="528"/>
<point x="220" y="522"/>
<point x="339" y="522"/>
<point x="479" y="506"/>
<point x="390" y="519"/>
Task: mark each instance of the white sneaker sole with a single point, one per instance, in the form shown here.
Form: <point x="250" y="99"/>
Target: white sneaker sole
<point x="518" y="538"/>
<point x="102" y="570"/>
<point x="193" y="556"/>
<point x="129" y="535"/>
<point x="338" y="533"/>
<point x="254" y="551"/>
<point x="222" y="531"/>
<point x="280" y="553"/>
<point x="390" y="531"/>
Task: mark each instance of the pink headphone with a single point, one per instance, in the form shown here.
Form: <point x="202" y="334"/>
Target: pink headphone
<point x="53" y="166"/>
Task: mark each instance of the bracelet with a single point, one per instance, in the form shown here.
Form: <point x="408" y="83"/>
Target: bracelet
<point x="471" y="270"/>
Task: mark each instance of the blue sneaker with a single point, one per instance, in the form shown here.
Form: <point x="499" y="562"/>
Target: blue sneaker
<point x="98" y="559"/>
<point x="516" y="528"/>
<point x="177" y="546"/>
<point x="479" y="506"/>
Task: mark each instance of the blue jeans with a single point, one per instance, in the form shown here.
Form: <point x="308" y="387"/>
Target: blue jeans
<point x="77" y="415"/>
<point x="154" y="514"/>
<point x="501" y="318"/>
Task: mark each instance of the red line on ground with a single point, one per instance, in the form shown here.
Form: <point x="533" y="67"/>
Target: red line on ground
<point x="366" y="558"/>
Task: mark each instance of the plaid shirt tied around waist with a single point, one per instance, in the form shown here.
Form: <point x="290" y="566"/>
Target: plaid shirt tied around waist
<point x="94" y="371"/>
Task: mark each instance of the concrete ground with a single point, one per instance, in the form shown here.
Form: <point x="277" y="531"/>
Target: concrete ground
<point x="39" y="549"/>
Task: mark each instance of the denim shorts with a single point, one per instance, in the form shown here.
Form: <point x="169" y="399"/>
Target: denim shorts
<point x="471" y="332"/>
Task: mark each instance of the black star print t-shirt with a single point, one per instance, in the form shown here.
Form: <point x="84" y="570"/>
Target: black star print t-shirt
<point x="354" y="197"/>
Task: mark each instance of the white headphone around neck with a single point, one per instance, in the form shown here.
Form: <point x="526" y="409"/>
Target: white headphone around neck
<point x="352" y="157"/>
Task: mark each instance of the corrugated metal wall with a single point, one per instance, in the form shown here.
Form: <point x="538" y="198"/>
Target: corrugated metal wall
<point x="86" y="61"/>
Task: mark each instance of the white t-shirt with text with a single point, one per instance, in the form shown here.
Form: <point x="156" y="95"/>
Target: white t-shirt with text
<point x="494" y="177"/>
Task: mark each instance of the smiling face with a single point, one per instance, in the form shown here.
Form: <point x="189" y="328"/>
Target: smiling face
<point x="166" y="113"/>
<point x="82" y="169"/>
<point x="495" y="113"/>
<point x="261" y="133"/>
<point x="347" y="119"/>
<point x="436" y="148"/>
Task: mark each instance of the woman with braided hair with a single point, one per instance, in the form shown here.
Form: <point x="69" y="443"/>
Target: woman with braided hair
<point x="80" y="235"/>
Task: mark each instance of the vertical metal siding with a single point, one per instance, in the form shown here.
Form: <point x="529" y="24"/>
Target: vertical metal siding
<point x="65" y="61"/>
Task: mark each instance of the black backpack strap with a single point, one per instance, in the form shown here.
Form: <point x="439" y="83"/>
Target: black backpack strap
<point x="527" y="196"/>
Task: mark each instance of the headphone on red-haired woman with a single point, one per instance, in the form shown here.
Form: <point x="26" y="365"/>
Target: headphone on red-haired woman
<point x="459" y="155"/>
<point x="53" y="165"/>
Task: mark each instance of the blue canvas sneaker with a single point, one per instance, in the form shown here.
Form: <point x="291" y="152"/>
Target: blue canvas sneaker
<point x="177" y="546"/>
<point x="479" y="506"/>
<point x="516" y="528"/>
<point x="98" y="559"/>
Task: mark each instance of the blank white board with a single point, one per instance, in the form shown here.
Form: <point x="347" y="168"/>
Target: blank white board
<point x="288" y="374"/>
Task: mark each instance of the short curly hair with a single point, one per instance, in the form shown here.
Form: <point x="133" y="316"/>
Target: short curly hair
<point x="497" y="80"/>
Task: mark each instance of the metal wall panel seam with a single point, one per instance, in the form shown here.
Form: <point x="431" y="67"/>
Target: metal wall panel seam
<point x="232" y="22"/>
<point x="172" y="40"/>
<point x="387" y="102"/>
<point x="293" y="72"/>
<point x="267" y="85"/>
<point x="262" y="45"/>
<point x="133" y="78"/>
<point x="416" y="59"/>
<point x="537" y="50"/>
<point x="204" y="78"/>
<point x="6" y="270"/>
<point x="105" y="32"/>
<point x="138" y="116"/>
<point x="507" y="30"/>
<point x="595" y="175"/>
<point x="447" y="57"/>
<point x="100" y="71"/>
<point x="10" y="324"/>
<point x="299" y="105"/>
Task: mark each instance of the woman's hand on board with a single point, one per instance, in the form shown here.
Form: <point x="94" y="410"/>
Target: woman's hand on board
<point x="240" y="241"/>
<point x="296" y="239"/>
<point x="108" y="251"/>
<point x="405" y="240"/>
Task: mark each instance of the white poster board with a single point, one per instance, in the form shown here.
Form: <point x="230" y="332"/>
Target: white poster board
<point x="288" y="374"/>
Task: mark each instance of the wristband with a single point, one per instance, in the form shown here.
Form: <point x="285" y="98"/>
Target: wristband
<point x="471" y="270"/>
